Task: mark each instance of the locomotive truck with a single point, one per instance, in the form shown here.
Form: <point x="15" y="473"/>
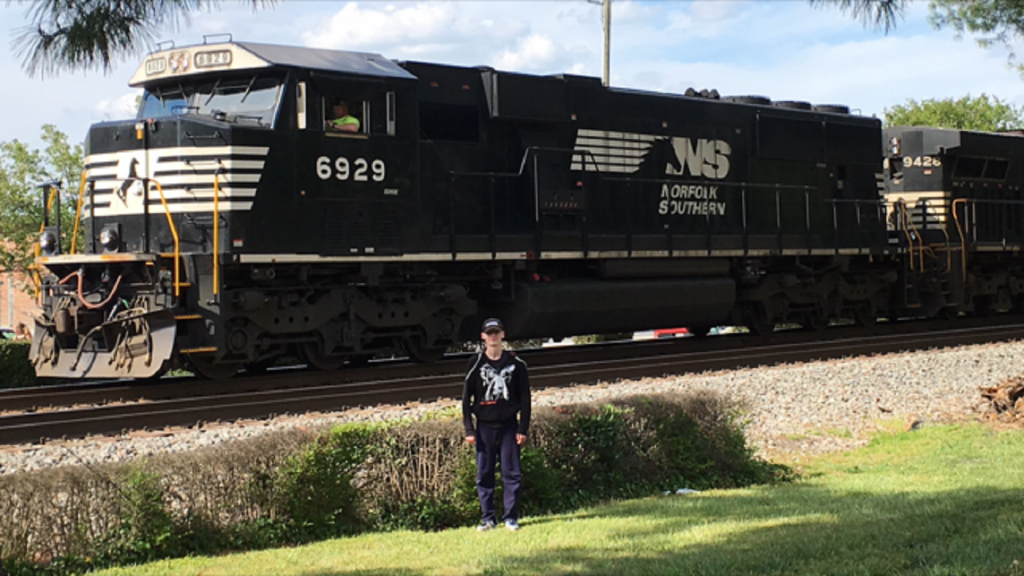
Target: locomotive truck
<point x="229" y="224"/>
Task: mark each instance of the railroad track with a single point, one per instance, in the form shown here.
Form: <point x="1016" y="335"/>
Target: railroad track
<point x="301" y="392"/>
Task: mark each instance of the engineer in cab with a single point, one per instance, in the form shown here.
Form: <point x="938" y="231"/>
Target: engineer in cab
<point x="343" y="121"/>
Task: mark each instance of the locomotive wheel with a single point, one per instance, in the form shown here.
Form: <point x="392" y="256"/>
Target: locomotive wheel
<point x="756" y="317"/>
<point x="865" y="316"/>
<point x="317" y="359"/>
<point x="359" y="360"/>
<point x="422" y="353"/>
<point x="260" y="366"/>
<point x="205" y="367"/>
<point x="815" y="321"/>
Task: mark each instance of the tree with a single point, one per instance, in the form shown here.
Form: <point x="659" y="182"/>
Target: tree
<point x="81" y="34"/>
<point x="22" y="170"/>
<point x="986" y="113"/>
<point x="993" y="21"/>
<point x="877" y="13"/>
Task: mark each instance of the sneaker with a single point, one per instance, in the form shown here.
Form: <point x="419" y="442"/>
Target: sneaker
<point x="485" y="526"/>
<point x="512" y="525"/>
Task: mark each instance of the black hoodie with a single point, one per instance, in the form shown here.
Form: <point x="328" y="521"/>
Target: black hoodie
<point x="495" y="391"/>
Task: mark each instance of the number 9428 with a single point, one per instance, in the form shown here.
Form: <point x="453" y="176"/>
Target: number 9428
<point x="921" y="161"/>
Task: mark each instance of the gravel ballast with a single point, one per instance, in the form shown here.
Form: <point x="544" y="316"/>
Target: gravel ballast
<point x="792" y="409"/>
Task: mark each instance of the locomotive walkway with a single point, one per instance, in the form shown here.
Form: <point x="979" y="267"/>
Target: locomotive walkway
<point x="186" y="402"/>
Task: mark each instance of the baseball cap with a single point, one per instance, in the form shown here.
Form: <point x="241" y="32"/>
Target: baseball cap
<point x="492" y="325"/>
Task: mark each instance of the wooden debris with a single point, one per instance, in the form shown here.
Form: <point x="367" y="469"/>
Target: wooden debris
<point x="1006" y="401"/>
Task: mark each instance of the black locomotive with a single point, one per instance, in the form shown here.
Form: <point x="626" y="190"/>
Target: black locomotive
<point x="231" y="223"/>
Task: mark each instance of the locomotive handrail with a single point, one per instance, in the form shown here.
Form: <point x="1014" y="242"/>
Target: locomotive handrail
<point x="37" y="280"/>
<point x="42" y="227"/>
<point x="920" y="238"/>
<point x="216" y="229"/>
<point x="174" y="234"/>
<point x="590" y="155"/>
<point x="588" y="159"/>
<point x="904" y="220"/>
<point x="960" y="230"/>
<point x="949" y="250"/>
<point x="216" y="218"/>
<point x="522" y="163"/>
<point x="78" y="211"/>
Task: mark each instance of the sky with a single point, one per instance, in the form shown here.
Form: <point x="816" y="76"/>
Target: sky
<point x="782" y="49"/>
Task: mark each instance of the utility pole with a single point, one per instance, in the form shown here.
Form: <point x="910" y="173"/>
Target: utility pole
<point x="606" y="21"/>
<point x="606" y="79"/>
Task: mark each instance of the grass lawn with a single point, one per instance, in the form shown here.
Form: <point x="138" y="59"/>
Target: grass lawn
<point x="942" y="500"/>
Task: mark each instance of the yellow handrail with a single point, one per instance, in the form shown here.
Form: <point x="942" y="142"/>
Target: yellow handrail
<point x="37" y="280"/>
<point x="907" y="219"/>
<point x="216" y="233"/>
<point x="174" y="233"/>
<point x="901" y="206"/>
<point x="949" y="249"/>
<point x="49" y="205"/>
<point x="960" y="230"/>
<point x="78" y="211"/>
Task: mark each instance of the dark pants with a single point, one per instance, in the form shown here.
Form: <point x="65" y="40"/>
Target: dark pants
<point x="489" y="443"/>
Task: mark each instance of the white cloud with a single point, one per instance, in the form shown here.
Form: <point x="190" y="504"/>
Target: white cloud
<point x="783" y="50"/>
<point x="120" y="108"/>
<point x="532" y="53"/>
<point x="410" y="28"/>
<point x="868" y="75"/>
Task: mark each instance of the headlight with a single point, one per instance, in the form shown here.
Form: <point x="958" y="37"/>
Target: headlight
<point x="48" y="242"/>
<point x="109" y="239"/>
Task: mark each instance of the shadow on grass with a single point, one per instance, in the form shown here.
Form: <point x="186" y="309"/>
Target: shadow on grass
<point x="809" y="531"/>
<point x="375" y="572"/>
<point x="792" y="530"/>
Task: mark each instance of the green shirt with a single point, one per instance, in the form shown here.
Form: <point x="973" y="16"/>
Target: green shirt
<point x="344" y="121"/>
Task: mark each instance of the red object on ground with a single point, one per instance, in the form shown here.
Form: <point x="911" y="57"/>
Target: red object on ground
<point x="664" y="332"/>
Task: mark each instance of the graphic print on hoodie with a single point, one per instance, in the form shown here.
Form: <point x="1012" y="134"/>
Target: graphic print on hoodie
<point x="496" y="392"/>
<point x="496" y="383"/>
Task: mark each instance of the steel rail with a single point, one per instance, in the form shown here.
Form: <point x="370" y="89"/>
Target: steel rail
<point x="85" y="393"/>
<point x="33" y="427"/>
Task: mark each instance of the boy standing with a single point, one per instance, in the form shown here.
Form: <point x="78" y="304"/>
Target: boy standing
<point x="497" y="392"/>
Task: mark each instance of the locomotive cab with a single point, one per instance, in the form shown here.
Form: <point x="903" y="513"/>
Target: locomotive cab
<point x="229" y="169"/>
<point x="956" y="210"/>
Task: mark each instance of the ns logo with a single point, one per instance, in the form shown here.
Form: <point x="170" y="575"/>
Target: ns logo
<point x="699" y="157"/>
<point x="650" y="156"/>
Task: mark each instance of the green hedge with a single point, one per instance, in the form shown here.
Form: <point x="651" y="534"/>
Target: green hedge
<point x="298" y="487"/>
<point x="15" y="369"/>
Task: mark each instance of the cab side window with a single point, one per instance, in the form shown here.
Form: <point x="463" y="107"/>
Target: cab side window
<point x="345" y="115"/>
<point x="352" y="105"/>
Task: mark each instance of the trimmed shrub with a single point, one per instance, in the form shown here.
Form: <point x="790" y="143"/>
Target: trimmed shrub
<point x="15" y="369"/>
<point x="298" y="486"/>
<point x="316" y="489"/>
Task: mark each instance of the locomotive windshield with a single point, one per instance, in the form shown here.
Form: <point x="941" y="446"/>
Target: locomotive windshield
<point x="251" y="99"/>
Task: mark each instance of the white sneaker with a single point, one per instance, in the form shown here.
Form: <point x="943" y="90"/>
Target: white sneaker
<point x="485" y="526"/>
<point x="512" y="525"/>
